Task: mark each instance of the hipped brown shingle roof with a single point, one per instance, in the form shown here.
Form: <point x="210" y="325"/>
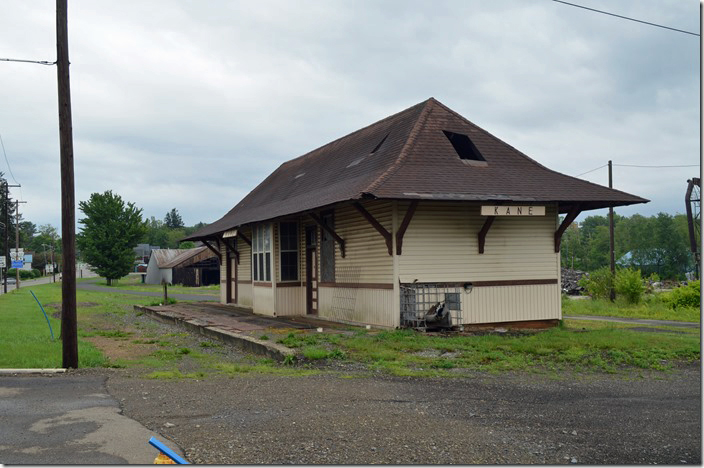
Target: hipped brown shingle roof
<point x="409" y="156"/>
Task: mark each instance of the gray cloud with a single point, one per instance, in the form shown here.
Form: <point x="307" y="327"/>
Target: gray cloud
<point x="191" y="104"/>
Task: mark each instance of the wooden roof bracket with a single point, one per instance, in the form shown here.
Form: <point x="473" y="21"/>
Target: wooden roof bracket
<point x="573" y="213"/>
<point x="376" y="225"/>
<point x="244" y="238"/>
<point x="217" y="251"/>
<point x="481" y="237"/>
<point x="404" y="225"/>
<point x="232" y="249"/>
<point x="330" y="231"/>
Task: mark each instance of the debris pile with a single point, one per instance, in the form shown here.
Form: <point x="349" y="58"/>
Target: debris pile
<point x="570" y="281"/>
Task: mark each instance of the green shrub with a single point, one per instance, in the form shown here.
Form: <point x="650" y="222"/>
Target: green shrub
<point x="684" y="296"/>
<point x="36" y="273"/>
<point x="629" y="284"/>
<point x="598" y="283"/>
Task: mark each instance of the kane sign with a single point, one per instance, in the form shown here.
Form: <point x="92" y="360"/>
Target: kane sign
<point x="512" y="210"/>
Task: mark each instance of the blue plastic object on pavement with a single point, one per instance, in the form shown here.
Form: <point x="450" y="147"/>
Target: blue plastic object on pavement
<point x="167" y="451"/>
<point x="47" y="318"/>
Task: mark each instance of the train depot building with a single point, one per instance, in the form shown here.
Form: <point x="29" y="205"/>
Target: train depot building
<point x="419" y="220"/>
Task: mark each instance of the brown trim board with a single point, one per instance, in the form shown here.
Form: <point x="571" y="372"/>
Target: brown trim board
<point x="262" y="284"/>
<point x="289" y="284"/>
<point x="357" y="285"/>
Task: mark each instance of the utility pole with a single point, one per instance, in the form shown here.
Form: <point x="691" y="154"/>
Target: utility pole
<point x="69" y="326"/>
<point x="612" y="292"/>
<point x="17" y="239"/>
<point x="7" y="235"/>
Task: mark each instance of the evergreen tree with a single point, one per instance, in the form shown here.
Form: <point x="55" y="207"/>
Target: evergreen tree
<point x="173" y="220"/>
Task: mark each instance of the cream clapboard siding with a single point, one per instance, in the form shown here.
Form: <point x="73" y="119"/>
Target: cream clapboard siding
<point x="290" y="301"/>
<point x="367" y="261"/>
<point x="244" y="271"/>
<point x="511" y="303"/>
<point x="441" y="245"/>
<point x="357" y="305"/>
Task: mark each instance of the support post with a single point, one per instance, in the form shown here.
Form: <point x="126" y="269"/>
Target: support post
<point x="69" y="326"/>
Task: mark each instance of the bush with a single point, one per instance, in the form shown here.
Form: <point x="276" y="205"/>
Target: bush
<point x="36" y="273"/>
<point x="684" y="296"/>
<point x="629" y="284"/>
<point x="598" y="283"/>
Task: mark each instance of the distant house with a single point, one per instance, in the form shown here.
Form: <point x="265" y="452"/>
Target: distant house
<point x="418" y="213"/>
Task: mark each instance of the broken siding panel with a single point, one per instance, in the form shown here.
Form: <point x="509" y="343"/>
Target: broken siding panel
<point x="367" y="258"/>
<point x="441" y="245"/>
<point x="511" y="303"/>
<point x="357" y="305"/>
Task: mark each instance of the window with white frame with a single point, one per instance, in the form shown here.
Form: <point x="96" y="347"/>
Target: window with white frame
<point x="261" y="253"/>
<point x="288" y="247"/>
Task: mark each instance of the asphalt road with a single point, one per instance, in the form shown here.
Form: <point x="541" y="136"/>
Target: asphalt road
<point x="68" y="420"/>
<point x="349" y="418"/>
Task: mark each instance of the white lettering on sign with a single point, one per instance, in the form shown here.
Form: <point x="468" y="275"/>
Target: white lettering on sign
<point x="512" y="210"/>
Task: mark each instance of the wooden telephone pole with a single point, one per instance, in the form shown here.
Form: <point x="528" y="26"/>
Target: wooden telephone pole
<point x="612" y="262"/>
<point x="69" y="326"/>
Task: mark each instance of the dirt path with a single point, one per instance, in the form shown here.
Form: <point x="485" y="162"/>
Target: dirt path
<point x="506" y="418"/>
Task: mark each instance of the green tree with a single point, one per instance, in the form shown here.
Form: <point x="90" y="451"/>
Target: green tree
<point x="110" y="230"/>
<point x="173" y="220"/>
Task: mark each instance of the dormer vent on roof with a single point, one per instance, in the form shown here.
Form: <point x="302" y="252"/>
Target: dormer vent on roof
<point x="464" y="147"/>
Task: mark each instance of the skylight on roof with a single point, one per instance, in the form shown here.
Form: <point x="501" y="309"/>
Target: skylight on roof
<point x="464" y="147"/>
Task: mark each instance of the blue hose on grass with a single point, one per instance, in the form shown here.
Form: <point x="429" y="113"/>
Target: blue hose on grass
<point x="47" y="318"/>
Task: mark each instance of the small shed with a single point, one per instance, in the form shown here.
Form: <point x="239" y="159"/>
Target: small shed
<point x="420" y="217"/>
<point x="195" y="267"/>
<point x="157" y="271"/>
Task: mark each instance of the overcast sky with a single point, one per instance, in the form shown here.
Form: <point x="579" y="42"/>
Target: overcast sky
<point x="190" y="104"/>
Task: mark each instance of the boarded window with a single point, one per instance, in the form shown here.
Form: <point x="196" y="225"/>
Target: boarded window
<point x="288" y="241"/>
<point x="327" y="250"/>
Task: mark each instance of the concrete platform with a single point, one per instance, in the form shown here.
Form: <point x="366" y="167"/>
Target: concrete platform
<point x="237" y="326"/>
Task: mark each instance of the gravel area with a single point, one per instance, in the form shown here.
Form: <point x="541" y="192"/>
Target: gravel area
<point x="349" y="418"/>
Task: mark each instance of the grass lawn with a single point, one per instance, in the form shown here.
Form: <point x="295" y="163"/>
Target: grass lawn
<point x="134" y="283"/>
<point x="112" y="334"/>
<point x="652" y="307"/>
<point x="579" y="346"/>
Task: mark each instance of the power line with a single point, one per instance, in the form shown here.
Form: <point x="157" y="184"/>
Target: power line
<point x="6" y="160"/>
<point x="595" y="169"/>
<point x="626" y="18"/>
<point x="40" y="62"/>
<point x="637" y="165"/>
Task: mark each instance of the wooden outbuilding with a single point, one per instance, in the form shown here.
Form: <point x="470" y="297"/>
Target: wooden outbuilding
<point x="422" y="219"/>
